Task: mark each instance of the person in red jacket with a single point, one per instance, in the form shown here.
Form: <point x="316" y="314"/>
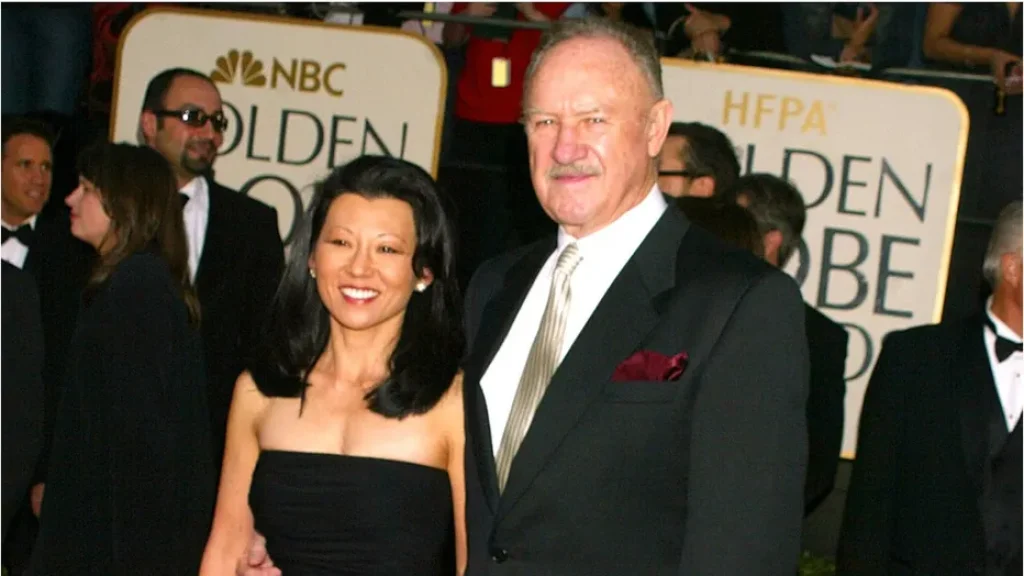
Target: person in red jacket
<point x="488" y="171"/>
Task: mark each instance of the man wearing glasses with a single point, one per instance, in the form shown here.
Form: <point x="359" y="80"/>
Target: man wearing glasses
<point x="696" y="160"/>
<point x="235" y="250"/>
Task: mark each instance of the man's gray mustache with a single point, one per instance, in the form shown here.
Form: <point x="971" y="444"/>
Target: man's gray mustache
<point x="573" y="170"/>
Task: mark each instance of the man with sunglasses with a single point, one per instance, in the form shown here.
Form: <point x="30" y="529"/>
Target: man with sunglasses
<point x="235" y="252"/>
<point x="696" y="160"/>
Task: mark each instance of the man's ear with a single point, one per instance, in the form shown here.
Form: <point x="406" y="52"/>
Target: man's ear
<point x="147" y="126"/>
<point x="772" y="243"/>
<point x="1010" y="269"/>
<point x="702" y="186"/>
<point x="658" y="121"/>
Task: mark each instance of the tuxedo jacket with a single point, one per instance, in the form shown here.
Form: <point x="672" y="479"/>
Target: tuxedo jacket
<point x="22" y="376"/>
<point x="239" y="269"/>
<point x="700" y="475"/>
<point x="913" y="505"/>
<point x="827" y="342"/>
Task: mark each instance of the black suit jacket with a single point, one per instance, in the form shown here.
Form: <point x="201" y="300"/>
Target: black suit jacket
<point x="239" y="270"/>
<point x="913" y="502"/>
<point x="827" y="342"/>
<point x="22" y="375"/>
<point x="703" y="475"/>
<point x="131" y="483"/>
<point x="60" y="264"/>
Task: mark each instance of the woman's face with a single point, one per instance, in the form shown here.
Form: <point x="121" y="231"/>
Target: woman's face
<point x="89" y="221"/>
<point x="362" y="262"/>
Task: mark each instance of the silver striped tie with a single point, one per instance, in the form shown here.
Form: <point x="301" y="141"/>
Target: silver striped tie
<point x="540" y="364"/>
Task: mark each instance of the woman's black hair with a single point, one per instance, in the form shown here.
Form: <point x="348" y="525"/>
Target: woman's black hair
<point x="430" y="346"/>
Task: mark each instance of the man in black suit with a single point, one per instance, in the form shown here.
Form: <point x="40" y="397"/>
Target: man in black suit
<point x="780" y="213"/>
<point x="39" y="241"/>
<point x="22" y="368"/>
<point x="936" y="486"/>
<point x="235" y="251"/>
<point x="696" y="160"/>
<point x="635" y="389"/>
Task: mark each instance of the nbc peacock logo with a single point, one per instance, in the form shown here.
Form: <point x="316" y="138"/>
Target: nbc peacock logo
<point x="299" y="74"/>
<point x="233" y="64"/>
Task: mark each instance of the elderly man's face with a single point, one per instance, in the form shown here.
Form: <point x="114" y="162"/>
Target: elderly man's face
<point x="594" y="130"/>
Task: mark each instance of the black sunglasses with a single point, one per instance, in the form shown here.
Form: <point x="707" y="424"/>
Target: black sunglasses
<point x="683" y="173"/>
<point x="196" y="118"/>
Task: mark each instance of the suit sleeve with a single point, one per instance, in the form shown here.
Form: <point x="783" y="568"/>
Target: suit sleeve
<point x="868" y="517"/>
<point x="146" y="463"/>
<point x="748" y="450"/>
<point x="263" y="276"/>
<point x="22" y="388"/>
<point x="825" y="415"/>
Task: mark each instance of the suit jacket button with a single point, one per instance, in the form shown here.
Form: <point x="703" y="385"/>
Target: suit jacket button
<point x="499" y="555"/>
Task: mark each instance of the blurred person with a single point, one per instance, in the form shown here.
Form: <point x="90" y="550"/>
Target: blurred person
<point x="778" y="208"/>
<point x="730" y="222"/>
<point x="45" y="56"/>
<point x="130" y="480"/>
<point x="22" y="375"/>
<point x="345" y="442"/>
<point x="487" y="165"/>
<point x="37" y="239"/>
<point x="235" y="254"/>
<point x="696" y="160"/>
<point x="936" y="486"/>
<point x="984" y="36"/>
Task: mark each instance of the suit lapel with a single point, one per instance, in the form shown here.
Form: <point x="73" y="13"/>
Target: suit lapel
<point x="498" y="316"/>
<point x="214" y="257"/>
<point x="632" y="305"/>
<point x="978" y="400"/>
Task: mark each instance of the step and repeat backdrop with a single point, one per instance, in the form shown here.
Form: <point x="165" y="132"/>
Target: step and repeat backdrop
<point x="879" y="167"/>
<point x="301" y="97"/>
<point x="878" y="164"/>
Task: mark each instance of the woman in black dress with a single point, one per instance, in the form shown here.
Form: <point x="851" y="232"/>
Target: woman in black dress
<point x="130" y="484"/>
<point x="345" y="438"/>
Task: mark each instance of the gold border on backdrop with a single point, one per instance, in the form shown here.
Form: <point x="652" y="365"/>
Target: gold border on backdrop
<point x="222" y="15"/>
<point x="961" y="153"/>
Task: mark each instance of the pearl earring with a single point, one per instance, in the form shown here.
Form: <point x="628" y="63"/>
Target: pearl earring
<point x="421" y="286"/>
<point x="312" y="273"/>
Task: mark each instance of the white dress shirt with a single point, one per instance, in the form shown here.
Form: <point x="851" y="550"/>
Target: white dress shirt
<point x="604" y="253"/>
<point x="13" y="250"/>
<point x="196" y="215"/>
<point x="1006" y="373"/>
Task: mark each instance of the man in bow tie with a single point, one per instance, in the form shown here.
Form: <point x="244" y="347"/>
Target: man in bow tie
<point x="936" y="486"/>
<point x="37" y="238"/>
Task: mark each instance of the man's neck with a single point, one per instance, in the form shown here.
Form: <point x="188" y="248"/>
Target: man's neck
<point x="11" y="219"/>
<point x="1006" y="309"/>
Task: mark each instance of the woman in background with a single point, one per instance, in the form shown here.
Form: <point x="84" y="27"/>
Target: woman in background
<point x="130" y="484"/>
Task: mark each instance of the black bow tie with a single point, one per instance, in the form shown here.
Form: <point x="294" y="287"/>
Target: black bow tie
<point x="1004" y="346"/>
<point x="23" y="233"/>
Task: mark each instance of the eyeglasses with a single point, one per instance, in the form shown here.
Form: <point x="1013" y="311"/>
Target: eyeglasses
<point x="681" y="173"/>
<point x="196" y="118"/>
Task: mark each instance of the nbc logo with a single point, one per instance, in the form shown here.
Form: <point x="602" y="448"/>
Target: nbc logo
<point x="303" y="75"/>
<point x="227" y="68"/>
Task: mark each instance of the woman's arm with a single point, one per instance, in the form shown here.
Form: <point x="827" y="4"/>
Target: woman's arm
<point x="454" y="418"/>
<point x="232" y="521"/>
<point x="938" y="45"/>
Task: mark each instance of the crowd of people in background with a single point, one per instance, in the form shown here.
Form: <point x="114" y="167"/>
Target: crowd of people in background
<point x="162" y="347"/>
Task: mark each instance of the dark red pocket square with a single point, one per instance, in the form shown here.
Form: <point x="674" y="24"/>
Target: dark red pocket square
<point x="653" y="366"/>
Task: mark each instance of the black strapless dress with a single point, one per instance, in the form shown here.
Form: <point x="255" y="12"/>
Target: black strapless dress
<point x="328" y="514"/>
